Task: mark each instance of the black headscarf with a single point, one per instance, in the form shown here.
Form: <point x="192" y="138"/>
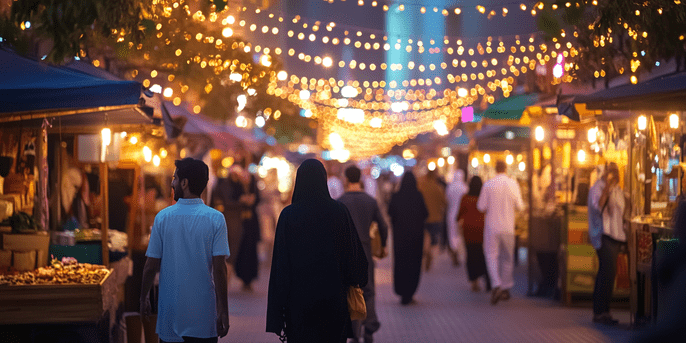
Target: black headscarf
<point x="310" y="182"/>
<point x="408" y="184"/>
<point x="475" y="185"/>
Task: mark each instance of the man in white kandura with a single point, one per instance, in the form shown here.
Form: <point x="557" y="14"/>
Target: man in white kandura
<point x="499" y="199"/>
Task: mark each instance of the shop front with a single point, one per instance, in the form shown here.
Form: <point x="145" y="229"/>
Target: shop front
<point x="63" y="263"/>
<point x="652" y="113"/>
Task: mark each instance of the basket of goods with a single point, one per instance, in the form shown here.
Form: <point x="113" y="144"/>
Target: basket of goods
<point x="63" y="292"/>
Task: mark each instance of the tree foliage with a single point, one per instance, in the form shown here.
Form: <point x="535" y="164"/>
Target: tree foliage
<point x="614" y="37"/>
<point x="174" y="43"/>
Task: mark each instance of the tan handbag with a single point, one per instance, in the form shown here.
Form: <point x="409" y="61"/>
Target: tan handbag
<point x="377" y="248"/>
<point x="356" y="305"/>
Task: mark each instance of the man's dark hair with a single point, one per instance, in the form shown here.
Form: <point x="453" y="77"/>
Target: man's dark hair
<point x="195" y="171"/>
<point x="500" y="166"/>
<point x="353" y="174"/>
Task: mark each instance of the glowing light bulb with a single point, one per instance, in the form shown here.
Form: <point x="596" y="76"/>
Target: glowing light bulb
<point x="147" y="154"/>
<point x="336" y="141"/>
<point x="509" y="159"/>
<point x="282" y="75"/>
<point x="487" y="158"/>
<point x="581" y="156"/>
<point x="673" y="121"/>
<point x="156" y="161"/>
<point x="432" y="166"/>
<point x="327" y="62"/>
<point x="106" y="134"/>
<point x="592" y="134"/>
<point x="349" y="91"/>
<point x="242" y="101"/>
<point x="259" y="121"/>
<point x="475" y="162"/>
<point x="522" y="166"/>
<point x="539" y="134"/>
<point x="304" y="94"/>
<point x="642" y="122"/>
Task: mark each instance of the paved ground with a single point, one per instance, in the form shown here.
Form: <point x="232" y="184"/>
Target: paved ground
<point x="446" y="311"/>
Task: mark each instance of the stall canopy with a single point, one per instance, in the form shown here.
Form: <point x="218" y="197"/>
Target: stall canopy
<point x="501" y="138"/>
<point x="225" y="137"/>
<point x="510" y="108"/>
<point x="31" y="91"/>
<point x="663" y="93"/>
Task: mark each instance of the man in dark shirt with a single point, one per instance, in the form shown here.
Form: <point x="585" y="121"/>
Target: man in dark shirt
<point x="364" y="210"/>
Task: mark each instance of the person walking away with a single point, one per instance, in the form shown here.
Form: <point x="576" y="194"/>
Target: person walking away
<point x="434" y="198"/>
<point x="333" y="182"/>
<point x="606" y="232"/>
<point x="317" y="257"/>
<point x="226" y="199"/>
<point x="472" y="223"/>
<point x="499" y="199"/>
<point x="456" y="190"/>
<point x="364" y="210"/>
<point x="408" y="215"/>
<point x="268" y="210"/>
<point x="247" y="261"/>
<point x="188" y="247"/>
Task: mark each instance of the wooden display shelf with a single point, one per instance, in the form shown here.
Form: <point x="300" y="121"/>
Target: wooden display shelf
<point x="69" y="303"/>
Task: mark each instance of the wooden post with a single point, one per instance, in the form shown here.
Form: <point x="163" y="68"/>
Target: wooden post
<point x="104" y="193"/>
<point x="647" y="161"/>
<point x="134" y="234"/>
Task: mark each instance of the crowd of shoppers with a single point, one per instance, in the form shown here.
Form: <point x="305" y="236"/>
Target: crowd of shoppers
<point x="321" y="246"/>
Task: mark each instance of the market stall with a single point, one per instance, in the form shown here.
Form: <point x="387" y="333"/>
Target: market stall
<point x="653" y="113"/>
<point x="564" y="156"/>
<point x="62" y="132"/>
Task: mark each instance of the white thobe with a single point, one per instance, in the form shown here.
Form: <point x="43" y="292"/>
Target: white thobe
<point x="499" y="199"/>
<point x="456" y="190"/>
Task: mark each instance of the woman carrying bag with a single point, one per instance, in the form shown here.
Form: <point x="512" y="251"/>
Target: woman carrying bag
<point x="317" y="257"/>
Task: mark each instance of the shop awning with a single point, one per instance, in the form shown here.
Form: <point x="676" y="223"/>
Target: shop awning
<point x="28" y="86"/>
<point x="510" y="108"/>
<point x="224" y="136"/>
<point x="663" y="93"/>
<point x="501" y="138"/>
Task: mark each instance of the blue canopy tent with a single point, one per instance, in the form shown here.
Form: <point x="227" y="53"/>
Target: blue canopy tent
<point x="31" y="90"/>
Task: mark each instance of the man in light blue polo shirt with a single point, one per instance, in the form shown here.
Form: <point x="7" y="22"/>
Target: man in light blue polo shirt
<point x="188" y="247"/>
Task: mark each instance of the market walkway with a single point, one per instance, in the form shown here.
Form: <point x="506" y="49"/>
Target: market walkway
<point x="446" y="311"/>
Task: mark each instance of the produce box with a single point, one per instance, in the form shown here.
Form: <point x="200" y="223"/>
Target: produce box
<point x="57" y="303"/>
<point x="24" y="242"/>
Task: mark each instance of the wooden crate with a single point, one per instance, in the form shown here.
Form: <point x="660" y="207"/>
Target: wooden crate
<point x="71" y="303"/>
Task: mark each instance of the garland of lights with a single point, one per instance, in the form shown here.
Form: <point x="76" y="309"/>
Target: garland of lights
<point x="376" y="45"/>
<point x="379" y="129"/>
<point x="503" y="8"/>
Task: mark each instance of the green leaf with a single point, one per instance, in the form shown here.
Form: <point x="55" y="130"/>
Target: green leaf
<point x="220" y="4"/>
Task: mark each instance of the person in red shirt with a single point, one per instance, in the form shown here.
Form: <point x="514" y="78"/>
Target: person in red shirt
<point x="473" y="230"/>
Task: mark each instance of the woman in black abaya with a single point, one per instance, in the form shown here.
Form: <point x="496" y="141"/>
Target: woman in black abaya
<point x="408" y="213"/>
<point x="317" y="256"/>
